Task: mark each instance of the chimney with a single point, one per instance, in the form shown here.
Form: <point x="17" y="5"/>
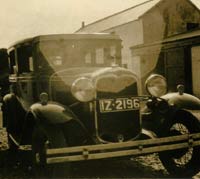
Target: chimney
<point x="83" y="24"/>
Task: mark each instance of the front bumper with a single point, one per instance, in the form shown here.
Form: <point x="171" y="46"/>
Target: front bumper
<point x="131" y="148"/>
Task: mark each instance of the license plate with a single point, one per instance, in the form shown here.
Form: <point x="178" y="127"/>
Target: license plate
<point x="119" y="104"/>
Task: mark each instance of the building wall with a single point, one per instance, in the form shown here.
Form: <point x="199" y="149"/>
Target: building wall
<point x="165" y="19"/>
<point x="169" y="18"/>
<point x="153" y="26"/>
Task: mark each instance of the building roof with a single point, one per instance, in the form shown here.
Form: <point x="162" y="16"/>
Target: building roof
<point x="196" y="3"/>
<point x="125" y="16"/>
<point x="122" y="17"/>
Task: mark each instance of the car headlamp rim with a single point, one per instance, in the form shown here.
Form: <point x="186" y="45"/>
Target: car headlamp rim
<point x="156" y="85"/>
<point x="83" y="89"/>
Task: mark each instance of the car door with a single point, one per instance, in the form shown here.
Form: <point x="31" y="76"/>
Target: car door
<point x="25" y="76"/>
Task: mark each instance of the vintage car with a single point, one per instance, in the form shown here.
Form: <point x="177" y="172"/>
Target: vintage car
<point x="71" y="100"/>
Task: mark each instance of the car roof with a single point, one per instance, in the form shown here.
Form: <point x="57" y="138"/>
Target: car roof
<point x="77" y="36"/>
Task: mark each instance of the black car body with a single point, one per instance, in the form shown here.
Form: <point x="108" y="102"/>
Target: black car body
<point x="70" y="100"/>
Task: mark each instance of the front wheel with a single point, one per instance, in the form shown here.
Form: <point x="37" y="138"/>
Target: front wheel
<point x="181" y="162"/>
<point x="55" y="139"/>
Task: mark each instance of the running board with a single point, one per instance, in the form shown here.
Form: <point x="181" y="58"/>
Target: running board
<point x="131" y="148"/>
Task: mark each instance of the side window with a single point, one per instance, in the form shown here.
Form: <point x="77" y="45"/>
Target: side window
<point x="88" y="58"/>
<point x="25" y="59"/>
<point x="110" y="55"/>
<point x="113" y="51"/>
<point x="100" y="56"/>
<point x="12" y="63"/>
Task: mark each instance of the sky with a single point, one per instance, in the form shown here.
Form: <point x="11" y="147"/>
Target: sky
<point x="26" y="18"/>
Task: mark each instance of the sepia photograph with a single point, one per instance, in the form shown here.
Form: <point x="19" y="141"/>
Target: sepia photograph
<point x="99" y="89"/>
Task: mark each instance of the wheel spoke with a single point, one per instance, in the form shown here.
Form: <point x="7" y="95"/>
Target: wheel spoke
<point x="185" y="158"/>
<point x="181" y="162"/>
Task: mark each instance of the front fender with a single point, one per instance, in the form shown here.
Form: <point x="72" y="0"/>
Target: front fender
<point x="184" y="101"/>
<point x="52" y="113"/>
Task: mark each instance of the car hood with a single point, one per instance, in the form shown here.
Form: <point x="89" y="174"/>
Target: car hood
<point x="107" y="79"/>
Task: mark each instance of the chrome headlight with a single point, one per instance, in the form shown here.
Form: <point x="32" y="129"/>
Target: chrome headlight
<point x="83" y="89"/>
<point x="156" y="85"/>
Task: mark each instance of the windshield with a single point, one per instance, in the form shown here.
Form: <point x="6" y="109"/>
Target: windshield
<point x="61" y="54"/>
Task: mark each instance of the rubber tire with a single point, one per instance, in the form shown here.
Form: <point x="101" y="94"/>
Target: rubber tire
<point x="193" y="166"/>
<point x="57" y="140"/>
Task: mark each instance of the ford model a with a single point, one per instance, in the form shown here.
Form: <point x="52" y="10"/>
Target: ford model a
<point x="71" y="101"/>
